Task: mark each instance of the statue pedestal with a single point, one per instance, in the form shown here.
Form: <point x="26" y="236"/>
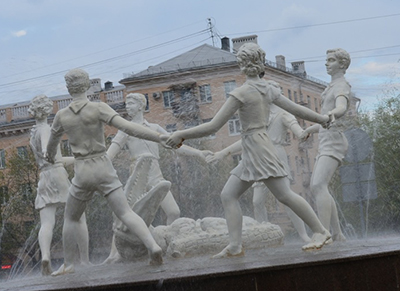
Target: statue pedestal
<point x="371" y="264"/>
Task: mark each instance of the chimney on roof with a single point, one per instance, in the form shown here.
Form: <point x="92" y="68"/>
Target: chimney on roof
<point x="299" y="68"/>
<point x="280" y="62"/>
<point x="108" y="85"/>
<point x="238" y="42"/>
<point x="225" y="44"/>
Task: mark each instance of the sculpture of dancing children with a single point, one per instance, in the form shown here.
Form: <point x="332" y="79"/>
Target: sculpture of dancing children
<point x="140" y="148"/>
<point x="83" y="122"/>
<point x="260" y="161"/>
<point x="279" y="122"/>
<point x="333" y="144"/>
<point x="53" y="185"/>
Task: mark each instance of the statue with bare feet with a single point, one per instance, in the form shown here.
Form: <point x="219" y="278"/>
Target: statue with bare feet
<point x="52" y="191"/>
<point x="146" y="178"/>
<point x="83" y="123"/>
<point x="260" y="162"/>
<point x="280" y="121"/>
<point x="332" y="141"/>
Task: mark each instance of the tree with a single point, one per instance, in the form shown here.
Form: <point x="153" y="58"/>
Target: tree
<point x="384" y="128"/>
<point x="18" y="219"/>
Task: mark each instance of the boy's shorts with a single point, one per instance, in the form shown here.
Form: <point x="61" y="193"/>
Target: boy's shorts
<point x="94" y="174"/>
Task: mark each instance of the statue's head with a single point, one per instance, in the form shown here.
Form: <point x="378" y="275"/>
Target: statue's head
<point x="135" y="102"/>
<point x="251" y="59"/>
<point x="342" y="56"/>
<point x="77" y="81"/>
<point x="40" y="107"/>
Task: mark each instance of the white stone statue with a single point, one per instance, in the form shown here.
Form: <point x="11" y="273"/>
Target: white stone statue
<point x="187" y="237"/>
<point x="53" y="185"/>
<point x="140" y="149"/>
<point x="83" y="123"/>
<point x="260" y="160"/>
<point x="280" y="121"/>
<point x="332" y="142"/>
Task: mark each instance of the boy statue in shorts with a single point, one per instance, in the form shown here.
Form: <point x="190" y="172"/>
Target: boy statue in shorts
<point x="83" y="123"/>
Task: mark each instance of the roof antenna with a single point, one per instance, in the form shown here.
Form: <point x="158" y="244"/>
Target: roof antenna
<point x="210" y="27"/>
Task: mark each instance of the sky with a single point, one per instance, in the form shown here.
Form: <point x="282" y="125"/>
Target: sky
<point x="40" y="40"/>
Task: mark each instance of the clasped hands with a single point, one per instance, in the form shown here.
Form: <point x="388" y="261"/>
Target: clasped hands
<point x="173" y="141"/>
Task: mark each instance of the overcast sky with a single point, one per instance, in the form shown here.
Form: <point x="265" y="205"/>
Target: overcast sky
<point x="42" y="39"/>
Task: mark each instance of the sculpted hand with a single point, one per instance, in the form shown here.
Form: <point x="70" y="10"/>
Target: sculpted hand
<point x="212" y="159"/>
<point x="327" y="121"/>
<point x="304" y="136"/>
<point x="206" y="153"/>
<point x="163" y="140"/>
<point x="175" y="140"/>
<point x="49" y="158"/>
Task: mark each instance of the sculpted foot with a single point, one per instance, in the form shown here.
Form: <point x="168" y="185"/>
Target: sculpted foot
<point x="339" y="237"/>
<point x="230" y="251"/>
<point x="318" y="240"/>
<point x="46" y="268"/>
<point x="156" y="257"/>
<point x="64" y="270"/>
<point x="113" y="259"/>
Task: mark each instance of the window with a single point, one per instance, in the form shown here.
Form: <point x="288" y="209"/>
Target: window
<point x="289" y="92"/>
<point x="211" y="136"/>
<point x="186" y="94"/>
<point x="147" y="102"/>
<point x="316" y="104"/>
<point x="171" y="127"/>
<point x="298" y="164"/>
<point x="168" y="97"/>
<point x="205" y="94"/>
<point x="191" y="123"/>
<point x="2" y="159"/>
<point x="66" y="148"/>
<point x="26" y="190"/>
<point x="4" y="197"/>
<point x="234" y="125"/>
<point x="295" y="96"/>
<point x="22" y="152"/>
<point x="229" y="86"/>
<point x="308" y="101"/>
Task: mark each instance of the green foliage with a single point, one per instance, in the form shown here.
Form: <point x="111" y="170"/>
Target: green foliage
<point x="18" y="216"/>
<point x="384" y="128"/>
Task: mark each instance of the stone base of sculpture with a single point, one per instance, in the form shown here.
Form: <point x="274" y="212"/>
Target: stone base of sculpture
<point x="188" y="237"/>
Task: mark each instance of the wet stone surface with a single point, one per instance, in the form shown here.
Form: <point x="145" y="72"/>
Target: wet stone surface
<point x="277" y="258"/>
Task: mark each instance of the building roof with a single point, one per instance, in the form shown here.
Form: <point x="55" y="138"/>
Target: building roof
<point x="202" y="56"/>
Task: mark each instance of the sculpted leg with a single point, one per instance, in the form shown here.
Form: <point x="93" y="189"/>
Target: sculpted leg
<point x="82" y="237"/>
<point x="233" y="189"/>
<point x="298" y="224"/>
<point x="47" y="221"/>
<point x="73" y="220"/>
<point x="259" y="199"/>
<point x="279" y="187"/>
<point x="170" y="208"/>
<point x="323" y="172"/>
<point x="135" y="224"/>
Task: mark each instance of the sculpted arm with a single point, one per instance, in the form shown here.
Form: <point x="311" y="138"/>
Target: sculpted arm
<point x="117" y="144"/>
<point x="232" y="149"/>
<point x="340" y="107"/>
<point x="54" y="140"/>
<point x="300" y="111"/>
<point x="135" y="129"/>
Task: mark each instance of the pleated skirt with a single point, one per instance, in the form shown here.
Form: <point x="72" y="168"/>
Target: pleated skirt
<point x="260" y="159"/>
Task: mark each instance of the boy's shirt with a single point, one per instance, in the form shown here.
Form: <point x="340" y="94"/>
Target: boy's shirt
<point x="83" y="122"/>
